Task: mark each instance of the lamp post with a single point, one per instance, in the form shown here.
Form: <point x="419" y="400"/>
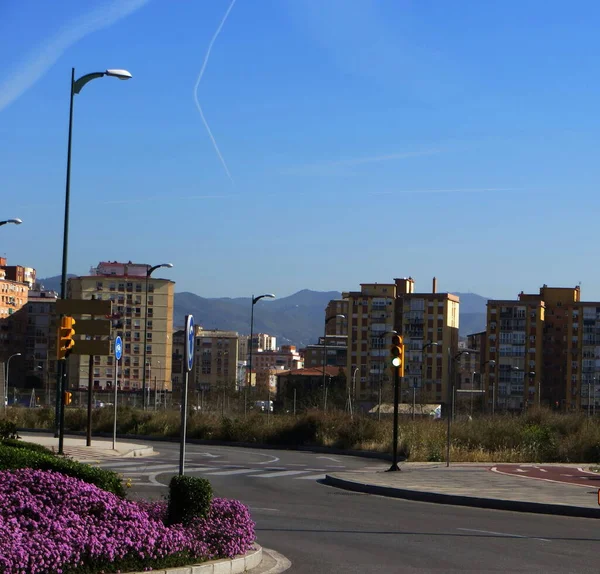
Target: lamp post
<point x="492" y="363"/>
<point x="76" y="87"/>
<point x="149" y="271"/>
<point x="7" y="373"/>
<point x="425" y="346"/>
<point x="450" y="398"/>
<point x="352" y="392"/>
<point x="382" y="337"/>
<point x="255" y="300"/>
<point x="16" y="221"/>
<point x="324" y="361"/>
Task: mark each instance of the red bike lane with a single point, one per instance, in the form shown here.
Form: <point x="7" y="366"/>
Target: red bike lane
<point x="577" y="476"/>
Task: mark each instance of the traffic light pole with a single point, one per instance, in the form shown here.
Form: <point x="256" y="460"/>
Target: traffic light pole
<point x="64" y="388"/>
<point x="395" y="467"/>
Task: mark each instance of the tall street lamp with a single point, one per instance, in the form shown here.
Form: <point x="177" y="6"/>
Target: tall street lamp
<point x="255" y="300"/>
<point x="425" y="346"/>
<point x="324" y="361"/>
<point x="7" y="373"/>
<point x="76" y="87"/>
<point x="16" y="221"/>
<point x="491" y="363"/>
<point x="149" y="271"/>
<point x="450" y="397"/>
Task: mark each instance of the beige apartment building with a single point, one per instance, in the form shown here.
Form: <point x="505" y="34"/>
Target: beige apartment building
<point x="134" y="297"/>
<point x="428" y="323"/>
<point x="215" y="360"/>
<point x="545" y="349"/>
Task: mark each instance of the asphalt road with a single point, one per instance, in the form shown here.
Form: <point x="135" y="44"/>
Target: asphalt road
<point x="323" y="530"/>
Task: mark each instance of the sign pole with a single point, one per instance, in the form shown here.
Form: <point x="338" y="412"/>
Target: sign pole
<point x="188" y="364"/>
<point x="118" y="354"/>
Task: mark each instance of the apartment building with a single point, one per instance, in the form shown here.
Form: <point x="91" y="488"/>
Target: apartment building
<point x="215" y="360"/>
<point x="135" y="297"/>
<point x="337" y="352"/>
<point x="428" y="323"/>
<point x="267" y="363"/>
<point x="13" y="293"/>
<point x="13" y="323"/>
<point x="40" y="338"/>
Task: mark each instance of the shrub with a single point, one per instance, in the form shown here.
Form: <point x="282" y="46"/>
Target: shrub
<point x="189" y="498"/>
<point x="13" y="443"/>
<point x="15" y="458"/>
<point x="8" y="429"/>
<point x="51" y="523"/>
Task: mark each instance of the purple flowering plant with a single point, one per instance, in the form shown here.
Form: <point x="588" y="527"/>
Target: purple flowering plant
<point x="52" y="523"/>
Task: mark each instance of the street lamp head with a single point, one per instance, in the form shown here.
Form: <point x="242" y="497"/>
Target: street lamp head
<point x="269" y="295"/>
<point x="16" y="221"/>
<point x="119" y="74"/>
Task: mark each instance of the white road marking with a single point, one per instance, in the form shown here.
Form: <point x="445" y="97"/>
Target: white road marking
<point x="232" y="472"/>
<point x="282" y="473"/>
<point x="542" y="470"/>
<point x="140" y="469"/>
<point x="507" y="534"/>
<point x="521" y="470"/>
<point x="208" y="454"/>
<point x="329" y="458"/>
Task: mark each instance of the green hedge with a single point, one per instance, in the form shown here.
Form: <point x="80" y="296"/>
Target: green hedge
<point x="189" y="498"/>
<point x="21" y="456"/>
<point x="14" y="443"/>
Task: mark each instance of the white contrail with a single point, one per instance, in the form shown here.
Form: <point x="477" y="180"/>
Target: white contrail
<point x="214" y="142"/>
<point x="29" y="72"/>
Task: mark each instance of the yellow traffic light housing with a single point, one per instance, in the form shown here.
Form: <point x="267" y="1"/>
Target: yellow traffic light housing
<point x="65" y="342"/>
<point x="397" y="354"/>
<point x="68" y="397"/>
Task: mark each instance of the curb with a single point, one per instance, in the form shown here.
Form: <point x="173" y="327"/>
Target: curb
<point x="462" y="500"/>
<point x="237" y="565"/>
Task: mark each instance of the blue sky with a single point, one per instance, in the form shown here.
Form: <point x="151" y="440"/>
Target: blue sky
<point x="362" y="141"/>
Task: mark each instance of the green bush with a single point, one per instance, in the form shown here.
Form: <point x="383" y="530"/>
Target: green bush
<point x="8" y="429"/>
<point x="14" y="443"/>
<point x="12" y="458"/>
<point x="189" y="498"/>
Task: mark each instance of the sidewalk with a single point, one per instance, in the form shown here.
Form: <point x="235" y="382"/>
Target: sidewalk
<point x="76" y="447"/>
<point x="471" y="484"/>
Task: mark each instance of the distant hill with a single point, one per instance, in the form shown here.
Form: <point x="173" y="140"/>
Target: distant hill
<point x="294" y="320"/>
<point x="473" y="313"/>
<point x="53" y="283"/>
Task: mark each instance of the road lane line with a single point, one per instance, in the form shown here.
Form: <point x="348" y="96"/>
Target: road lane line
<point x="506" y="534"/>
<point x="282" y="473"/>
<point x="329" y="458"/>
<point x="232" y="472"/>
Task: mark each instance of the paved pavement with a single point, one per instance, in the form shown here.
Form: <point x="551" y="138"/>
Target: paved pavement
<point x="100" y="448"/>
<point x="569" y="490"/>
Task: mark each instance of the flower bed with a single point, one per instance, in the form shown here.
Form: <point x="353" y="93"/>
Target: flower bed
<point x="55" y="523"/>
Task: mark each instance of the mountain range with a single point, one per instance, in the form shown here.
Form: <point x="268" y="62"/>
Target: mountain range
<point x="295" y="320"/>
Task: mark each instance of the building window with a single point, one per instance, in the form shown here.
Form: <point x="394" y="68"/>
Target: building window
<point x="99" y="285"/>
<point x="149" y="325"/>
<point x="149" y="349"/>
<point x="150" y="287"/>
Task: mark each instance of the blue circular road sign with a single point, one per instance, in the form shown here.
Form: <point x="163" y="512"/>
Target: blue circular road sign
<point x="189" y="327"/>
<point x="118" y="348"/>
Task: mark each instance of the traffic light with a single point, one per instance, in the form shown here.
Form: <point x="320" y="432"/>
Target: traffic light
<point x="397" y="353"/>
<point x="65" y="341"/>
<point x="68" y="397"/>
